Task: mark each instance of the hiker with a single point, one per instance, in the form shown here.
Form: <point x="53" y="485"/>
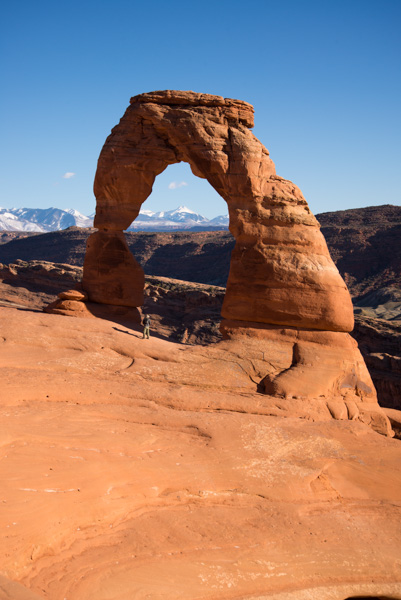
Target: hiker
<point x="146" y="326"/>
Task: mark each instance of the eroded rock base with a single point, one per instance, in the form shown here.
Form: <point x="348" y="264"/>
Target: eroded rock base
<point x="317" y="375"/>
<point x="112" y="275"/>
<point x="305" y="368"/>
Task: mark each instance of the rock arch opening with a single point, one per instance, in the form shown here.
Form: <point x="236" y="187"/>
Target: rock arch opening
<point x="177" y="241"/>
<point x="185" y="255"/>
<point x="177" y="187"/>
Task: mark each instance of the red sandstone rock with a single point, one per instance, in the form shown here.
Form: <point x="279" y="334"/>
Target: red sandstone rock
<point x="292" y="363"/>
<point x="281" y="271"/>
<point x="33" y="284"/>
<point x="324" y="367"/>
<point x="73" y="295"/>
<point x="394" y="417"/>
<point x="11" y="590"/>
<point x="42" y="274"/>
<point x="74" y="308"/>
<point x="111" y="273"/>
<point x="136" y="468"/>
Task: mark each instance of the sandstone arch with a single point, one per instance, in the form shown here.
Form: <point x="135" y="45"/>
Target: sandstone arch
<point x="282" y="287"/>
<point x="281" y="271"/>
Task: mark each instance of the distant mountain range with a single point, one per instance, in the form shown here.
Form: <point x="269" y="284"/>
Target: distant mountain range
<point x="43" y="220"/>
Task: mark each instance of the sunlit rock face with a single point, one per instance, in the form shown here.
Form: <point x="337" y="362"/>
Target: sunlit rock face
<point x="281" y="270"/>
<point x="283" y="287"/>
<point x="137" y="469"/>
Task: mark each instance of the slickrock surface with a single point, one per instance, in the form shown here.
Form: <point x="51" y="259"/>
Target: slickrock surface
<point x="394" y="416"/>
<point x="281" y="271"/>
<point x="191" y="313"/>
<point x="136" y="468"/>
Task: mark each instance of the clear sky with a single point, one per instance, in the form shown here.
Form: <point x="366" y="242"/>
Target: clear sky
<point x="324" y="77"/>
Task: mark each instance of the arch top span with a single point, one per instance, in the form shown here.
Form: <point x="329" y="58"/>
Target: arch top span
<point x="235" y="109"/>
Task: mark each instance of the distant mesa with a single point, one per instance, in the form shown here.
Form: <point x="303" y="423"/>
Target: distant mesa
<point x="286" y="305"/>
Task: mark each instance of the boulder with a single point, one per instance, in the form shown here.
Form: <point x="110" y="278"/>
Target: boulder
<point x="76" y="295"/>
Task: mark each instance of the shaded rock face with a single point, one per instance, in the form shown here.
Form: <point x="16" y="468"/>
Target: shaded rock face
<point x="365" y="245"/>
<point x="35" y="283"/>
<point x="115" y="273"/>
<point x="184" y="312"/>
<point x="380" y="344"/>
<point x="281" y="271"/>
<point x="41" y="274"/>
<point x="67" y="246"/>
<point x="8" y="236"/>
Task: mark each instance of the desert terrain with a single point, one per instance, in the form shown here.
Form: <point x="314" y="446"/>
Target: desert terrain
<point x="256" y="464"/>
<point x="139" y="468"/>
<point x="364" y="243"/>
<point x="154" y="468"/>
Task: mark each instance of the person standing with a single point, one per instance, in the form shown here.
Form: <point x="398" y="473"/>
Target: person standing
<point x="146" y="326"/>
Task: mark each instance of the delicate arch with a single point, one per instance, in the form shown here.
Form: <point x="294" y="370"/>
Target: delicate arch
<point x="281" y="272"/>
<point x="285" y="304"/>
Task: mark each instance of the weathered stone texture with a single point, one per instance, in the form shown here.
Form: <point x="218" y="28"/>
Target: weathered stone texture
<point x="111" y="273"/>
<point x="281" y="271"/>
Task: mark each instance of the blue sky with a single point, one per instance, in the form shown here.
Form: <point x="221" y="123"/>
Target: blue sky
<point x="323" y="76"/>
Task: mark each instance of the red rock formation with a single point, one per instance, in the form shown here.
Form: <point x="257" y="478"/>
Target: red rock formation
<point x="281" y="271"/>
<point x="135" y="469"/>
<point x="282" y="286"/>
<point x="111" y="272"/>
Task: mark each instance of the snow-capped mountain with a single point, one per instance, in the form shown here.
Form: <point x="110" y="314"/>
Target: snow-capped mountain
<point x="182" y="213"/>
<point x="41" y="219"/>
<point x="179" y="218"/>
<point x="54" y="219"/>
<point x="221" y="221"/>
<point x="79" y="218"/>
<point x="10" y="222"/>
